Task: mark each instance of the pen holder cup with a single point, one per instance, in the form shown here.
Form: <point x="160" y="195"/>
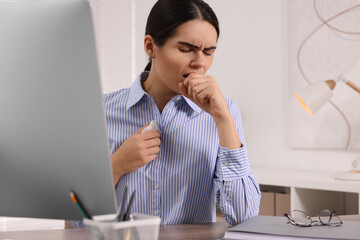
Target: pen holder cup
<point x="139" y="227"/>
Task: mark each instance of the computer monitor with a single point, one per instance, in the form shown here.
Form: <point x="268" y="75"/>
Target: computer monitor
<point x="53" y="135"/>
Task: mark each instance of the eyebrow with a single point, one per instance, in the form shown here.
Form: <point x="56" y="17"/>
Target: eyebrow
<point x="194" y="46"/>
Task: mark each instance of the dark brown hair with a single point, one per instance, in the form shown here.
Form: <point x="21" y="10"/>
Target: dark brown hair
<point x="167" y="15"/>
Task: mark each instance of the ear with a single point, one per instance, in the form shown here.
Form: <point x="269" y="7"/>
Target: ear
<point x="149" y="46"/>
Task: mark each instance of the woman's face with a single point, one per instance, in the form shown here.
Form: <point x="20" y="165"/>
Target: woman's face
<point x="189" y="50"/>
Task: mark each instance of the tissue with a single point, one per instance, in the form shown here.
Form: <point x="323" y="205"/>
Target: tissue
<point x="152" y="126"/>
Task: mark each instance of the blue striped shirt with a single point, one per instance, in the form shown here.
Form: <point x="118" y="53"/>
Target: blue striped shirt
<point x="192" y="170"/>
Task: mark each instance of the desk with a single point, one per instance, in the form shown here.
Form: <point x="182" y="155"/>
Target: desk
<point x="193" y="231"/>
<point x="208" y="231"/>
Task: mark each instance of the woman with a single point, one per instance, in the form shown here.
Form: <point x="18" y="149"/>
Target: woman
<point x="199" y="154"/>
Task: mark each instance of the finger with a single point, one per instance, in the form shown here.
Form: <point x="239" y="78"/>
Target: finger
<point x="190" y="86"/>
<point x="191" y="77"/>
<point x="195" y="75"/>
<point x="153" y="150"/>
<point x="196" y="90"/>
<point x="197" y="87"/>
<point x="154" y="142"/>
<point x="183" y="90"/>
<point x="151" y="134"/>
<point x="150" y="158"/>
<point x="204" y="96"/>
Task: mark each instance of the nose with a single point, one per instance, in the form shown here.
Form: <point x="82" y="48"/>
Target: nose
<point x="198" y="60"/>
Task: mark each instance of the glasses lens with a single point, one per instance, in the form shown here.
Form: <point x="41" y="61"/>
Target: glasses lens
<point x="325" y="216"/>
<point x="299" y="218"/>
<point x="329" y="218"/>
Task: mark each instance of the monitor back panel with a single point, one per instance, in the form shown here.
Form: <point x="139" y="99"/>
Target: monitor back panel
<point x="52" y="125"/>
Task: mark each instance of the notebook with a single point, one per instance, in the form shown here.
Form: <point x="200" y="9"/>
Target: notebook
<point x="269" y="227"/>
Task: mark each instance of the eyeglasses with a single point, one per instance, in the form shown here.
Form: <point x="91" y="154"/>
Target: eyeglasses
<point x="302" y="219"/>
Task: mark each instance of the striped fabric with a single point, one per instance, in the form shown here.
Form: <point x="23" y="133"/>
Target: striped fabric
<point x="192" y="170"/>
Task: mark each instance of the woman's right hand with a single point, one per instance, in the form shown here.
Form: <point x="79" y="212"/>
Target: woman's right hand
<point x="136" y="151"/>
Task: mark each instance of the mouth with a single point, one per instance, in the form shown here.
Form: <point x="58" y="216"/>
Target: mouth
<point x="186" y="75"/>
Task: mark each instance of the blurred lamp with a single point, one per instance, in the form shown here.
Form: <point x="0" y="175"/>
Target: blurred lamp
<point x="316" y="95"/>
<point x="313" y="97"/>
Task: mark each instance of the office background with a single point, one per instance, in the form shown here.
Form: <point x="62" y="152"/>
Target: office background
<point x="251" y="67"/>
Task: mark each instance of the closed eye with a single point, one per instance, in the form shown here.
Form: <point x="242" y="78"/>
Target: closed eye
<point x="208" y="53"/>
<point x="184" y="50"/>
<point x="188" y="47"/>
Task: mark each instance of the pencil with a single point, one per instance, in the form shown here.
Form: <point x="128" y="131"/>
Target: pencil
<point x="80" y="205"/>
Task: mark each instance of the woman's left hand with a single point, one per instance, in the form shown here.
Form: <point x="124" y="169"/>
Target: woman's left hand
<point x="204" y="91"/>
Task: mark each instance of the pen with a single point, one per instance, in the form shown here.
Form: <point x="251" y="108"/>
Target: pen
<point x="80" y="205"/>
<point x="127" y="214"/>
<point x="120" y="214"/>
<point x="127" y="217"/>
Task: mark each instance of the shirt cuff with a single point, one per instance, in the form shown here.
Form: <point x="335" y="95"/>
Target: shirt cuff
<point x="233" y="163"/>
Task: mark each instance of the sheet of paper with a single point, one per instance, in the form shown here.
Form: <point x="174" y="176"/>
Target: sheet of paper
<point x="25" y="224"/>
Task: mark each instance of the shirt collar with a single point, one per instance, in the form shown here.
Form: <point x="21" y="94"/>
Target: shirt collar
<point x="137" y="93"/>
<point x="194" y="107"/>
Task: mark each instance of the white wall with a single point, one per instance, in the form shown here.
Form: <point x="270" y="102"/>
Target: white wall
<point x="250" y="66"/>
<point x="113" y="29"/>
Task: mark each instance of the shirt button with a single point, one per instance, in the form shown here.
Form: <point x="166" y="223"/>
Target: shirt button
<point x="156" y="186"/>
<point x="227" y="199"/>
<point x="156" y="212"/>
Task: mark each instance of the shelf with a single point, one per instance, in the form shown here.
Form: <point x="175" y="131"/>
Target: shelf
<point x="304" y="179"/>
<point x="313" y="191"/>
